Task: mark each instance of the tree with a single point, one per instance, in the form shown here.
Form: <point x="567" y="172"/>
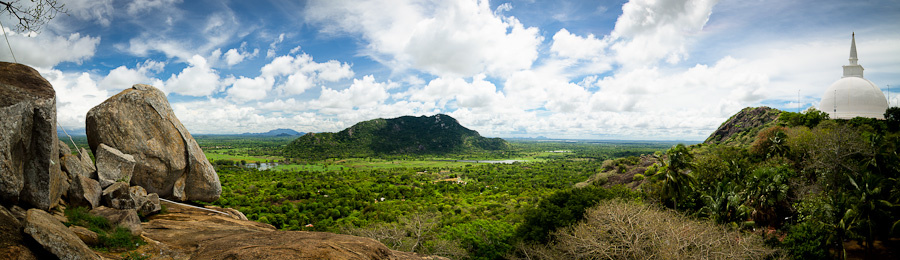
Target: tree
<point x="33" y="14"/>
<point x="677" y="181"/>
<point x="892" y="118"/>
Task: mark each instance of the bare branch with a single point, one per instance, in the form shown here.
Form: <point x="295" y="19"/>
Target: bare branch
<point x="33" y="14"/>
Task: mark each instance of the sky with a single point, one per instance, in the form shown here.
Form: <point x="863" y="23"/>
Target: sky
<point x="633" y="70"/>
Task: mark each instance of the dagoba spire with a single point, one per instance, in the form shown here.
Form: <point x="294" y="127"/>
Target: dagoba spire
<point x="853" y="69"/>
<point x="853" y="58"/>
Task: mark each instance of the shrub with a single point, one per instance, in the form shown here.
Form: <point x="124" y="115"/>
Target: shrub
<point x="806" y="240"/>
<point x="619" y="229"/>
<point x="111" y="238"/>
<point x="638" y="177"/>
<point x="564" y="208"/>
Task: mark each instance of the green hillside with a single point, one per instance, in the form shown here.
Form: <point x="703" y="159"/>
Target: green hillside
<point x="438" y="134"/>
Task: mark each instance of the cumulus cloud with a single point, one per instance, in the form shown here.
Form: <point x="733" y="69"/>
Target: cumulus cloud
<point x="232" y="56"/>
<point x="477" y="94"/>
<point x="47" y="50"/>
<point x="299" y="73"/>
<point x="76" y="93"/>
<point x="450" y="38"/>
<point x="198" y="79"/>
<point x="364" y="93"/>
<point x="122" y="77"/>
<point x="650" y="31"/>
<point x="246" y="89"/>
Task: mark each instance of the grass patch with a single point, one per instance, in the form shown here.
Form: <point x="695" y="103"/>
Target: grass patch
<point x="111" y="238"/>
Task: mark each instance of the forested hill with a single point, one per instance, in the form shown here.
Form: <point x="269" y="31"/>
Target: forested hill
<point x="438" y="134"/>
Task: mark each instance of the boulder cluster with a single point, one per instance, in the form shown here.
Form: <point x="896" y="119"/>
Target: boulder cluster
<point x="143" y="153"/>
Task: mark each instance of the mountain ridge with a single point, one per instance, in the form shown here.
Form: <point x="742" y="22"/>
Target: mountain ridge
<point x="437" y="134"/>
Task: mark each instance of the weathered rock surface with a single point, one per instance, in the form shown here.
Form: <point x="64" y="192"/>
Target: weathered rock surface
<point x="169" y="162"/>
<point x="233" y="212"/>
<point x="113" y="165"/>
<point x="198" y="234"/>
<point x="126" y="218"/>
<point x="145" y="204"/>
<point x="63" y="148"/>
<point x="84" y="191"/>
<point x="55" y="237"/>
<point x="11" y="239"/>
<point x="118" y="196"/>
<point x="88" y="237"/>
<point x="75" y="164"/>
<point x="29" y="149"/>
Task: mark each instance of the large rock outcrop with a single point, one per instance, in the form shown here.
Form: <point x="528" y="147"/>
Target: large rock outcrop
<point x="168" y="161"/>
<point x="29" y="154"/>
<point x="741" y="128"/>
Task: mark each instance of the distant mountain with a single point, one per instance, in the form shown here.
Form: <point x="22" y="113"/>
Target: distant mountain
<point x="71" y="131"/>
<point x="277" y="132"/>
<point x="438" y="134"/>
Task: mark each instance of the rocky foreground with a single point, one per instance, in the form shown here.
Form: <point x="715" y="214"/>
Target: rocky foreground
<point x="143" y="155"/>
<point x="185" y="232"/>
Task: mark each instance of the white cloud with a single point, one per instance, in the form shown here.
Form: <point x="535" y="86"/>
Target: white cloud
<point x="301" y="72"/>
<point x="122" y="77"/>
<point x="272" y="46"/>
<point x="568" y="45"/>
<point x="218" y="28"/>
<point x="246" y="89"/>
<point x="450" y="38"/>
<point x="47" y="50"/>
<point x="479" y="94"/>
<point x="198" y="79"/>
<point x="649" y="31"/>
<point x="76" y="93"/>
<point x="102" y="11"/>
<point x="363" y="94"/>
<point x="136" y="7"/>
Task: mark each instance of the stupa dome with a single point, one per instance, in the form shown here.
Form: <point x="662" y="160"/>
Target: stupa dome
<point x="852" y="95"/>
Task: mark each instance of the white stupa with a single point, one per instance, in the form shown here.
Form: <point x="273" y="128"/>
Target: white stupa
<point x="852" y="95"/>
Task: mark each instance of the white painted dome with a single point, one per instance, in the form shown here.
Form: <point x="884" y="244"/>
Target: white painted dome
<point x="851" y="97"/>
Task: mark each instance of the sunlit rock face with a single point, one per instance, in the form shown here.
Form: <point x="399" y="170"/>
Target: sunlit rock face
<point x="168" y="161"/>
<point x="852" y="95"/>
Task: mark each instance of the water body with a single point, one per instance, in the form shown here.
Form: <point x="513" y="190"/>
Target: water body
<point x="261" y="166"/>
<point x="485" y="161"/>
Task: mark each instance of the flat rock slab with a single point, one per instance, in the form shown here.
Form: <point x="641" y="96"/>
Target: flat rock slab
<point x="56" y="237"/>
<point x="202" y="234"/>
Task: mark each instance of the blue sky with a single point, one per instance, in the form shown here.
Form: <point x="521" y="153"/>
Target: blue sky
<point x="642" y="69"/>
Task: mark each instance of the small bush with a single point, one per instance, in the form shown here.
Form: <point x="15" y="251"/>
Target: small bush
<point x="806" y="240"/>
<point x="80" y="216"/>
<point x="111" y="238"/>
<point x="638" y="177"/>
<point x="118" y="239"/>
